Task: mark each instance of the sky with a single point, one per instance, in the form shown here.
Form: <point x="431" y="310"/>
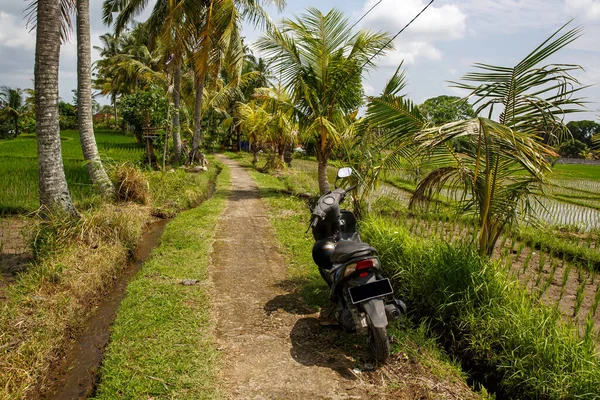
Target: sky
<point x="440" y="46"/>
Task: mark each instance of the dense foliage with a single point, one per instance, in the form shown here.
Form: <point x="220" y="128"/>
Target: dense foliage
<point x="518" y="348"/>
<point x="443" y="109"/>
<point x="145" y="109"/>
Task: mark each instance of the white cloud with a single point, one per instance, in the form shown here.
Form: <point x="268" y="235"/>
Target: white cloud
<point x="510" y="16"/>
<point x="409" y="53"/>
<point x="586" y="9"/>
<point x="14" y="34"/>
<point x="441" y="23"/>
<point x="369" y="89"/>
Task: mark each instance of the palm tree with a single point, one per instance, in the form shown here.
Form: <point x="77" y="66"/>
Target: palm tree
<point x="503" y="163"/>
<point x="169" y="22"/>
<point x="281" y="125"/>
<point x="13" y="99"/>
<point x="105" y="80"/>
<point x="320" y="61"/>
<point x="97" y="173"/>
<point x="217" y="37"/>
<point x="54" y="193"/>
<point x="253" y="122"/>
<point x="206" y="30"/>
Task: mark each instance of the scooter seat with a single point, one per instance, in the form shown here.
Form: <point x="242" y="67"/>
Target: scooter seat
<point x="345" y="250"/>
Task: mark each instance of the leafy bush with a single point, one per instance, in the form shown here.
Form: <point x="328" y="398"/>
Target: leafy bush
<point x="67" y="116"/>
<point x="517" y="347"/>
<point x="144" y="108"/>
<point x="7" y="128"/>
<point x="572" y="148"/>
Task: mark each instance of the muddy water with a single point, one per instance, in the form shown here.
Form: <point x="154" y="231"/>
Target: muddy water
<point x="77" y="376"/>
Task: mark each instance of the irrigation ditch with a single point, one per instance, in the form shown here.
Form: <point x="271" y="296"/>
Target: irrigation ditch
<point x="77" y="375"/>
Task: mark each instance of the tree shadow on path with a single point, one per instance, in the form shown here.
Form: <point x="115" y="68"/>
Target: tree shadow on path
<point x="317" y="344"/>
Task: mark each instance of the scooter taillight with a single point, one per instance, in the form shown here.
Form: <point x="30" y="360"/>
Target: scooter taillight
<point x="365" y="264"/>
<point x="362" y="265"/>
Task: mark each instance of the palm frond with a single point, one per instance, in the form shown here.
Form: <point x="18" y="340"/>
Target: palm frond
<point x="67" y="9"/>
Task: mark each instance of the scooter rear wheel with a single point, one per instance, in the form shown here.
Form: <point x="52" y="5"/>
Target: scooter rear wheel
<point x="379" y="343"/>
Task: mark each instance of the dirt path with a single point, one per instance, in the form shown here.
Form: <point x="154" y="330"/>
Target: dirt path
<point x="272" y="343"/>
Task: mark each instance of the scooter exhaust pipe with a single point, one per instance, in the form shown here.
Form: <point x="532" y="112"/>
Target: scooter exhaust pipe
<point x="394" y="310"/>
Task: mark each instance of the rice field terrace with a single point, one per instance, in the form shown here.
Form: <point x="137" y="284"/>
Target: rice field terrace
<point x="19" y="170"/>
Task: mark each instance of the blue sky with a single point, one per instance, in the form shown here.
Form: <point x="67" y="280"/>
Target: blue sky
<point x="440" y="46"/>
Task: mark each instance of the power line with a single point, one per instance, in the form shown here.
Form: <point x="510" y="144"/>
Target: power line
<point x="391" y="40"/>
<point x="367" y="13"/>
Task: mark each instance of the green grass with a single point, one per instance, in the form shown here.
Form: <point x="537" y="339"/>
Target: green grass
<point x="77" y="262"/>
<point x="172" y="192"/>
<point x="576" y="171"/>
<point x="503" y="336"/>
<point x="19" y="168"/>
<point x="161" y="344"/>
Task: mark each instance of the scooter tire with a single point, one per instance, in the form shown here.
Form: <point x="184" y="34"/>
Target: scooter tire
<point x="379" y="343"/>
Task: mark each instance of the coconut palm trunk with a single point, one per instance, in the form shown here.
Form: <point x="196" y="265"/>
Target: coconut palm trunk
<point x="323" y="159"/>
<point x="114" y="101"/>
<point x="96" y="170"/>
<point x="54" y="192"/>
<point x="198" y="138"/>
<point x="16" y="126"/>
<point x="176" y="107"/>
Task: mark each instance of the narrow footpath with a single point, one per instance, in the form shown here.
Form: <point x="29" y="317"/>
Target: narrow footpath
<point x="272" y="344"/>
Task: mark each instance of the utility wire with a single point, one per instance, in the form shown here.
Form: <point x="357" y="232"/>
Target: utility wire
<point x="367" y="13"/>
<point x="391" y="40"/>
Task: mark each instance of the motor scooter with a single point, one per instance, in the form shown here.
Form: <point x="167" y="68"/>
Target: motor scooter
<point x="362" y="298"/>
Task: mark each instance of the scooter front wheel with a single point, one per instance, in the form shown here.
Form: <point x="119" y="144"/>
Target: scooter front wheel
<point x="379" y="343"/>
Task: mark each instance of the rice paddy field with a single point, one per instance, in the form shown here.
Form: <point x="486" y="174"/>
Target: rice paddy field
<point x="19" y="175"/>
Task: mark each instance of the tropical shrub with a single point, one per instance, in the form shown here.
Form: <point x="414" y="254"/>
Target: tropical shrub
<point x="145" y="108"/>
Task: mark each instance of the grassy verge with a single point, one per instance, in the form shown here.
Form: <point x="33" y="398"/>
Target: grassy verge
<point x="76" y="262"/>
<point x="161" y="344"/>
<point x="289" y="216"/>
<point x="48" y="303"/>
<point x="174" y="191"/>
<point x="515" y="346"/>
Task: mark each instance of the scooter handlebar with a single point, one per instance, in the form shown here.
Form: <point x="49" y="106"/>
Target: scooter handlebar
<point x="313" y="223"/>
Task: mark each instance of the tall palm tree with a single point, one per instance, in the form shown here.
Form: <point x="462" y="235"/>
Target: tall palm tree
<point x="169" y="21"/>
<point x="217" y="37"/>
<point x="253" y="122"/>
<point x="203" y="29"/>
<point x="13" y="99"/>
<point x="320" y="60"/>
<point x="54" y="192"/>
<point x="105" y="80"/>
<point x="281" y="126"/>
<point x="98" y="175"/>
<point x="503" y="163"/>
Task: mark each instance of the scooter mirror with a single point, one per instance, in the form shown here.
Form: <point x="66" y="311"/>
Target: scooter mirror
<point x="344" y="172"/>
